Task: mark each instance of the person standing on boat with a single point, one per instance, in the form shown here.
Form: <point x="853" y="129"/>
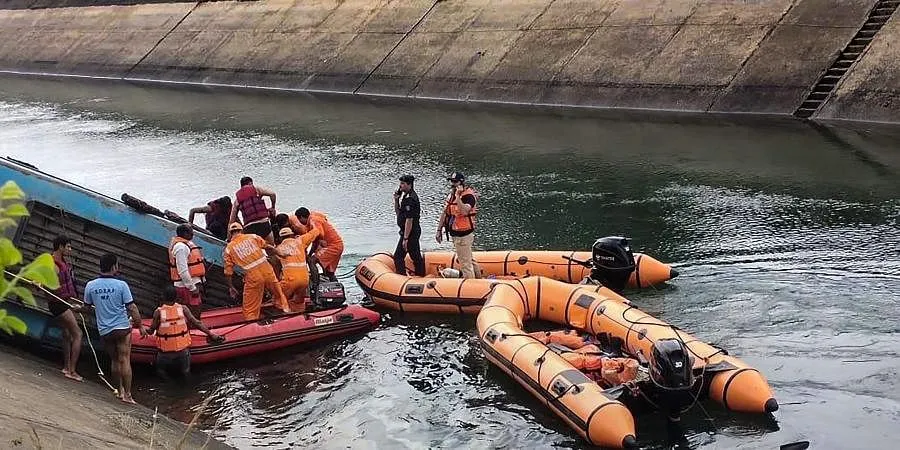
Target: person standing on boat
<point x="217" y="214"/>
<point x="254" y="212"/>
<point x="294" y="268"/>
<point x="173" y="339"/>
<point x="458" y="221"/>
<point x="249" y="252"/>
<point x="329" y="247"/>
<point x="187" y="268"/>
<point x="63" y="311"/>
<point x="408" y="210"/>
<point x="113" y="304"/>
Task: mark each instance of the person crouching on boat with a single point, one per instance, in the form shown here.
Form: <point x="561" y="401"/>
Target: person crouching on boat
<point x="187" y="268"/>
<point x="248" y="200"/>
<point x="458" y="220"/>
<point x="249" y="252"/>
<point x="173" y="339"/>
<point x="294" y="268"/>
<point x="329" y="247"/>
<point x="217" y="213"/>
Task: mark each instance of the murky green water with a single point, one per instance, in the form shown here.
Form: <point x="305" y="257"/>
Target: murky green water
<point x="786" y="237"/>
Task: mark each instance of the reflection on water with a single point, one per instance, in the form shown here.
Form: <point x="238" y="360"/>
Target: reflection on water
<point x="786" y="236"/>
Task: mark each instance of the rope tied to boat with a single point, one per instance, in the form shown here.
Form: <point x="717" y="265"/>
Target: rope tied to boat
<point x="100" y="372"/>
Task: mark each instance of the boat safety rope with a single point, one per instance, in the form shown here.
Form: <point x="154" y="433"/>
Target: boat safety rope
<point x="83" y="324"/>
<point x="348" y="274"/>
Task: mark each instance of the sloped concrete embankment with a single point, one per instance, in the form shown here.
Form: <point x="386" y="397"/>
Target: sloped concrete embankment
<point x="39" y="408"/>
<point x="695" y="55"/>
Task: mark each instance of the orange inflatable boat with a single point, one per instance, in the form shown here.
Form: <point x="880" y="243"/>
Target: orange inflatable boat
<point x="676" y="361"/>
<point x="432" y="293"/>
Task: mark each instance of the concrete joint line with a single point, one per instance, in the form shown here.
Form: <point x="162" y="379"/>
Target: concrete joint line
<point x="575" y="53"/>
<point x="749" y="57"/>
<point x="391" y="52"/>
<point x="196" y="5"/>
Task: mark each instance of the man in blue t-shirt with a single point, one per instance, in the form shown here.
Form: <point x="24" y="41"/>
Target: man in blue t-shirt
<point x="112" y="302"/>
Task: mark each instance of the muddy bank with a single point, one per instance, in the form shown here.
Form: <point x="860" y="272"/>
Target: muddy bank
<point x="39" y="408"/>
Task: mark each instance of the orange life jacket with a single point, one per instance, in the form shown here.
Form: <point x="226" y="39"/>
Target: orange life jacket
<point x="317" y="220"/>
<point x="457" y="221"/>
<point x="295" y="247"/>
<point x="245" y="250"/>
<point x="172" y="335"/>
<point x="251" y="205"/>
<point x="568" y="338"/>
<point x="196" y="263"/>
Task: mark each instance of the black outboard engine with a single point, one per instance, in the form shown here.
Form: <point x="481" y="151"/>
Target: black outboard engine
<point x="329" y="294"/>
<point x="671" y="365"/>
<point x="612" y="262"/>
<point x="672" y="373"/>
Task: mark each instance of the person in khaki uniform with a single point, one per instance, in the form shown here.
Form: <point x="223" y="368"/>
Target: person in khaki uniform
<point x="458" y="221"/>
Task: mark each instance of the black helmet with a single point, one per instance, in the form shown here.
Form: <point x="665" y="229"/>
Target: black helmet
<point x="671" y="365"/>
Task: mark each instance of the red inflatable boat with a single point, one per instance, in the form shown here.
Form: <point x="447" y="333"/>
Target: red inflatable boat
<point x="268" y="333"/>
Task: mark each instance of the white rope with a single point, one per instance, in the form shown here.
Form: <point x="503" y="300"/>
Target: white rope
<point x="83" y="324"/>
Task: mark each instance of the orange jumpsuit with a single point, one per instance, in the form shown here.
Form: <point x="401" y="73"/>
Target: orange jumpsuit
<point x="294" y="270"/>
<point x="329" y="255"/>
<point x="247" y="251"/>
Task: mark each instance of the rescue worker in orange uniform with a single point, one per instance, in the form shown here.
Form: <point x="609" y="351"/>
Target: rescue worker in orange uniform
<point x="294" y="269"/>
<point x="458" y="221"/>
<point x="248" y="200"/>
<point x="187" y="268"/>
<point x="249" y="252"/>
<point x="329" y="248"/>
<point x="173" y="339"/>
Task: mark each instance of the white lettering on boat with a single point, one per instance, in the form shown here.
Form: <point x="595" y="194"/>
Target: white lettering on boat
<point x="318" y="321"/>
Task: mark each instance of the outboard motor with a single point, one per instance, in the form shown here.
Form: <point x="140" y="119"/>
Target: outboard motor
<point x="612" y="262"/>
<point x="671" y="365"/>
<point x="329" y="294"/>
<point x="672" y="373"/>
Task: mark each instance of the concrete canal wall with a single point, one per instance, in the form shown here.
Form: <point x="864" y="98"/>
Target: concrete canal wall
<point x="750" y="56"/>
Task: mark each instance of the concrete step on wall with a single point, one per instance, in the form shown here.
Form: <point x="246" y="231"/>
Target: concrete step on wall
<point x="821" y="91"/>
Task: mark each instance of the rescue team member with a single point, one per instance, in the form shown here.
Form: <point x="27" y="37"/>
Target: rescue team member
<point x="329" y="248"/>
<point x="408" y="210"/>
<point x="254" y="212"/>
<point x="217" y="212"/>
<point x="294" y="269"/>
<point x="173" y="339"/>
<point x="113" y="304"/>
<point x="249" y="251"/>
<point x="458" y="220"/>
<point x="62" y="313"/>
<point x="187" y="268"/>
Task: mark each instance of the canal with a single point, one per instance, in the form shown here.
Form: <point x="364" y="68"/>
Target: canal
<point x="785" y="234"/>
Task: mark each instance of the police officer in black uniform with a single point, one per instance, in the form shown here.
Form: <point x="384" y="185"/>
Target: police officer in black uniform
<point x="406" y="205"/>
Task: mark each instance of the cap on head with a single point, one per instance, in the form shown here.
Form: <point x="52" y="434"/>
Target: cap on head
<point x="408" y="179"/>
<point x="285" y="232"/>
<point x="456" y="176"/>
<point x="235" y="227"/>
